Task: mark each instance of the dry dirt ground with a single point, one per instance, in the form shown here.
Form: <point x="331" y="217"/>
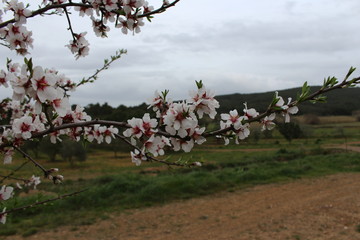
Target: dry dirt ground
<point x="322" y="208"/>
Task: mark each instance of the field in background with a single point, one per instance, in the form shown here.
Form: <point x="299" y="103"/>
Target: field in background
<point x="115" y="184"/>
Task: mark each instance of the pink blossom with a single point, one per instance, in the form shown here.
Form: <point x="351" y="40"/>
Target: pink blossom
<point x="109" y="133"/>
<point x="18" y="37"/>
<point x="84" y="11"/>
<point x="3" y="216"/>
<point x="135" y="130"/>
<point x="130" y="5"/>
<point x="79" y="46"/>
<point x="182" y="144"/>
<point x="231" y="119"/>
<point x="155" y="145"/>
<point x="137" y="157"/>
<point x="6" y="192"/>
<point x="179" y="119"/>
<point x="97" y="133"/>
<point x="147" y="8"/>
<point x="242" y="132"/>
<point x="158" y="103"/>
<point x="55" y="136"/>
<point x="203" y="101"/>
<point x="100" y="29"/>
<point x="33" y="181"/>
<point x="20" y="12"/>
<point x="267" y="122"/>
<point x="250" y="113"/>
<point x="23" y="127"/>
<point x="60" y="103"/>
<point x="3" y="80"/>
<point x="44" y="84"/>
<point x="8" y="153"/>
<point x="286" y="109"/>
<point x="289" y="110"/>
<point x="139" y="127"/>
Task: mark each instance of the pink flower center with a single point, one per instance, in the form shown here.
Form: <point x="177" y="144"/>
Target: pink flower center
<point x="41" y="84"/>
<point x="233" y="119"/>
<point x="136" y="130"/>
<point x="25" y="127"/>
<point x="57" y="102"/>
<point x="146" y="125"/>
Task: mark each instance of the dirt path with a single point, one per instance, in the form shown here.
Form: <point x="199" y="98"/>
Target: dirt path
<point x="350" y="146"/>
<point x="323" y="208"/>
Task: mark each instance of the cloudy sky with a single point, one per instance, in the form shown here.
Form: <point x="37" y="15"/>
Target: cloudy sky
<point x="234" y="46"/>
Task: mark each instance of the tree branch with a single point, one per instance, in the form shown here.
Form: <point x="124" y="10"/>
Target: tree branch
<point x="43" y="202"/>
<point x="27" y="156"/>
<point x="13" y="172"/>
<point x="84" y="5"/>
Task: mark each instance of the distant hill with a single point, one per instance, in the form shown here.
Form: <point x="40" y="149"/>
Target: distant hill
<point x="339" y="102"/>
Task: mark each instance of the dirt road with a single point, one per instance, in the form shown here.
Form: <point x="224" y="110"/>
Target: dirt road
<point x="323" y="208"/>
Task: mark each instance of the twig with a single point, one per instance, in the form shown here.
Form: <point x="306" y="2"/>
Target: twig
<point x="107" y="64"/>
<point x="27" y="156"/>
<point x="14" y="178"/>
<point x="148" y="157"/>
<point x="43" y="202"/>
<point x="13" y="172"/>
<point x="159" y="10"/>
<point x="80" y="124"/>
<point x="84" y="5"/>
<point x="69" y="22"/>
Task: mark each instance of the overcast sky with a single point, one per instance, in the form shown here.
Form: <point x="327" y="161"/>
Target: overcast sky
<point x="234" y="46"/>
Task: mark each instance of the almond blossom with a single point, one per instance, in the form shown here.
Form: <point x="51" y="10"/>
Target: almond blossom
<point x="20" y="12"/>
<point x="250" y="113"/>
<point x="178" y="144"/>
<point x="23" y="127"/>
<point x="55" y="136"/>
<point x="159" y="103"/>
<point x="178" y="119"/>
<point x="109" y="133"/>
<point x="3" y="216"/>
<point x="44" y="84"/>
<point x="3" y="80"/>
<point x="18" y="37"/>
<point x="139" y="127"/>
<point x="33" y="181"/>
<point x="6" y="192"/>
<point x="156" y="144"/>
<point x="267" y="122"/>
<point x="242" y="132"/>
<point x="130" y="5"/>
<point x="231" y="119"/>
<point x="61" y="104"/>
<point x="79" y="45"/>
<point x="196" y="134"/>
<point x="137" y="157"/>
<point x="289" y="110"/>
<point x="203" y="101"/>
<point x="8" y="153"/>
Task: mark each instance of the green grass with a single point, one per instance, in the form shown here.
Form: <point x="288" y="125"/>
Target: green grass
<point x="224" y="171"/>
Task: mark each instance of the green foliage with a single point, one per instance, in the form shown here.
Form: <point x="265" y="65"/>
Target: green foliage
<point x="50" y="149"/>
<point x="71" y="150"/>
<point x="290" y="130"/>
<point x="121" y="113"/>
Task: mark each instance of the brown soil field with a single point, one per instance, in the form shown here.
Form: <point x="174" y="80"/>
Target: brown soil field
<point x="312" y="208"/>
